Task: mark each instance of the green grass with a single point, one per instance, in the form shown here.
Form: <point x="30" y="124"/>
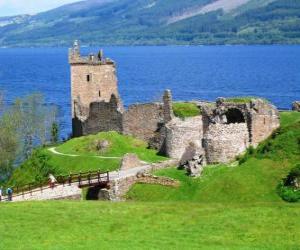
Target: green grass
<point x="288" y="117"/>
<point x="253" y="181"/>
<point x="243" y="99"/>
<point x="179" y="225"/>
<point x="185" y="109"/>
<point x="227" y="208"/>
<point x="43" y="162"/>
<point x="119" y="145"/>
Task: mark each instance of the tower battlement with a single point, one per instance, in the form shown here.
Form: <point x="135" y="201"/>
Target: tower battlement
<point x="76" y="58"/>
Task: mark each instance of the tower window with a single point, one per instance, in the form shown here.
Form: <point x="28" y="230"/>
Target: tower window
<point x="99" y="93"/>
<point x="89" y="77"/>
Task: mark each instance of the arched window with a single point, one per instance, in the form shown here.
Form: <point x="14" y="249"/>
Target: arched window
<point x="234" y="116"/>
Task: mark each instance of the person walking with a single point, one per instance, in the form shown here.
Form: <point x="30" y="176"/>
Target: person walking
<point x="9" y="193"/>
<point x="0" y="194"/>
<point x="52" y="181"/>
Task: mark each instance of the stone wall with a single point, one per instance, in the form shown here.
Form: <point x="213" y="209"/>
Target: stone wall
<point x="103" y="116"/>
<point x="264" y="120"/>
<point x="143" y="120"/>
<point x="296" y="106"/>
<point x="180" y="133"/>
<point x="223" y="142"/>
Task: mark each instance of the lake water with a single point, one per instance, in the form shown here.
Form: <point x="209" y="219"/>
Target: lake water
<point x="202" y="72"/>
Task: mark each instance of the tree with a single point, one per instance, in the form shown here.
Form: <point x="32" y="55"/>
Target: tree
<point x="36" y="122"/>
<point x="54" y="132"/>
<point x="8" y="141"/>
<point x="23" y="126"/>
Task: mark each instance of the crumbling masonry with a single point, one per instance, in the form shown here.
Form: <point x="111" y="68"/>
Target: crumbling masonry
<point x="223" y="130"/>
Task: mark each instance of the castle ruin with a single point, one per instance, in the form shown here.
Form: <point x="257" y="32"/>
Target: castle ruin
<point x="222" y="130"/>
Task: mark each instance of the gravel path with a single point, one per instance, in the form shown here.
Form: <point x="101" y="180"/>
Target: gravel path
<point x="54" y="151"/>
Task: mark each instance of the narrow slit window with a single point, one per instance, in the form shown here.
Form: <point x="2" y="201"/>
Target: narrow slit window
<point x="99" y="93"/>
<point x="88" y="77"/>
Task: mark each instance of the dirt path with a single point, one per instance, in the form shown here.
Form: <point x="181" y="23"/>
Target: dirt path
<point x="54" y="151"/>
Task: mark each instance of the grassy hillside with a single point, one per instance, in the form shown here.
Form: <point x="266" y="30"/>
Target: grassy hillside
<point x="99" y="225"/>
<point x="228" y="208"/>
<point x="255" y="180"/>
<point x="87" y="157"/>
<point x="140" y="22"/>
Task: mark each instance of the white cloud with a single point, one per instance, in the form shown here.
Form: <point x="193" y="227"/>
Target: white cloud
<point x="15" y="7"/>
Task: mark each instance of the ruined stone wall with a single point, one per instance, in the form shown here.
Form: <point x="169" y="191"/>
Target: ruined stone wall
<point x="180" y="133"/>
<point x="223" y="142"/>
<point x="264" y="120"/>
<point x="103" y="116"/>
<point x="143" y="120"/>
<point x="101" y="85"/>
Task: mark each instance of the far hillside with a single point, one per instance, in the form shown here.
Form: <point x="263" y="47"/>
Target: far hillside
<point x="159" y="22"/>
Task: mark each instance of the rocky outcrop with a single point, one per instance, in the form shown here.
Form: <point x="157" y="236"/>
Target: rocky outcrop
<point x="193" y="159"/>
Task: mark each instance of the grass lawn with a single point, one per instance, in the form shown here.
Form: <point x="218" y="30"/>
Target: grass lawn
<point x="185" y="109"/>
<point x="119" y="145"/>
<point x="43" y="162"/>
<point x="179" y="225"/>
<point x="227" y="208"/>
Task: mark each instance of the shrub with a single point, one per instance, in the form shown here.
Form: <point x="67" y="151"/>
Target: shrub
<point x="288" y="194"/>
<point x="289" y="189"/>
<point x="293" y="177"/>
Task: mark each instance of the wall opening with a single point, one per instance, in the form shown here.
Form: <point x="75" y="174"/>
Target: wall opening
<point x="234" y="116"/>
<point x="88" y="77"/>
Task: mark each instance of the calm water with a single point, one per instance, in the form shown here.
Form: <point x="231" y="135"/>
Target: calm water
<point x="204" y="72"/>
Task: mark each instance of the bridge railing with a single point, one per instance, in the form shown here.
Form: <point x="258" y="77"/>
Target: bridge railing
<point x="83" y="179"/>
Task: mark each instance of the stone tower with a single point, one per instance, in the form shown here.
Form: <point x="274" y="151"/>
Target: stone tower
<point x="93" y="79"/>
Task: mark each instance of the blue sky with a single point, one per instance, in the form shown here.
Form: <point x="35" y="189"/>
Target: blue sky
<point x="15" y="7"/>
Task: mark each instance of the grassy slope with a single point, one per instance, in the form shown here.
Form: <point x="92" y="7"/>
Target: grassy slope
<point x="229" y="208"/>
<point x="253" y="181"/>
<point x="44" y="162"/>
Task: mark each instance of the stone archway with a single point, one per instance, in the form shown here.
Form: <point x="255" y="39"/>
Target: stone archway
<point x="234" y="115"/>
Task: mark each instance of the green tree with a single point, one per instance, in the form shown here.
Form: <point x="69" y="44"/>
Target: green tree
<point x="23" y="126"/>
<point x="54" y="132"/>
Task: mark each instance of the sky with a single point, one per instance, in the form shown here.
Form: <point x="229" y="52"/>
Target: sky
<point x="16" y="7"/>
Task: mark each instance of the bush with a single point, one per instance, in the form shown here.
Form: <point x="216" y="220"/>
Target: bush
<point x="289" y="189"/>
<point x="287" y="193"/>
<point x="293" y="177"/>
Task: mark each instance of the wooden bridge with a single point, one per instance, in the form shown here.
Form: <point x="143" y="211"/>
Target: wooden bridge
<point x="65" y="186"/>
<point x="70" y="186"/>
